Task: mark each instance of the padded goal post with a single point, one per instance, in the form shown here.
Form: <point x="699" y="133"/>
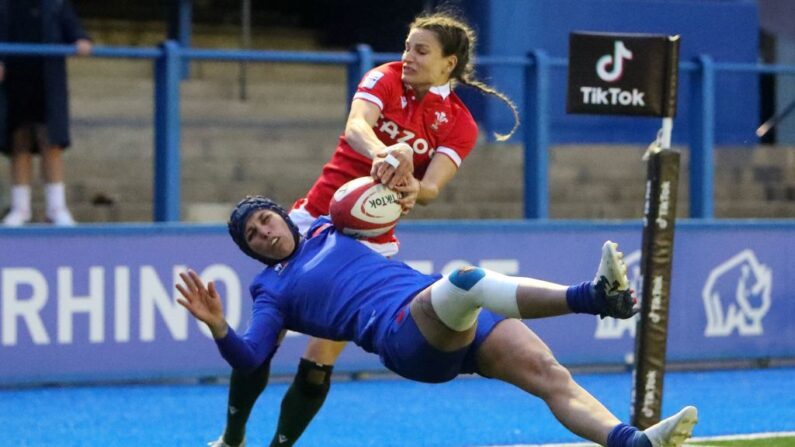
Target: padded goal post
<point x="636" y="75"/>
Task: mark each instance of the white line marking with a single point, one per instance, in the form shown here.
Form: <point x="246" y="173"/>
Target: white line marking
<point x="696" y="439"/>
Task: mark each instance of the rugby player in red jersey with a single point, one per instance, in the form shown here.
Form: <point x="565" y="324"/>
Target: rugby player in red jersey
<point x="408" y="129"/>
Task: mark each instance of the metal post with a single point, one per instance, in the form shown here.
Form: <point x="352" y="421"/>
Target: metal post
<point x="666" y="131"/>
<point x="167" y="134"/>
<point x="179" y="28"/>
<point x="702" y="140"/>
<point x="357" y="70"/>
<point x="245" y="42"/>
<point x="536" y="137"/>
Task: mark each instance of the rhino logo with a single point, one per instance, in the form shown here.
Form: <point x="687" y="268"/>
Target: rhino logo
<point x="737" y="296"/>
<point x="612" y="328"/>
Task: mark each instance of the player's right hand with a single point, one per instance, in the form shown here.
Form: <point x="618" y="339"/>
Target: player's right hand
<point x="202" y="302"/>
<point x="393" y="165"/>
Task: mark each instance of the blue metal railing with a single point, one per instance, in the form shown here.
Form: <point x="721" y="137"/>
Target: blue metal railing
<point x="170" y="59"/>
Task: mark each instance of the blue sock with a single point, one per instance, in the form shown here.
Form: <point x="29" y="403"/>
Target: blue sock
<point x="623" y="435"/>
<point x="582" y="299"/>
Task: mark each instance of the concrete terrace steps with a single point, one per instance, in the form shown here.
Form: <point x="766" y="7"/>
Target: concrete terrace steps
<point x="276" y="142"/>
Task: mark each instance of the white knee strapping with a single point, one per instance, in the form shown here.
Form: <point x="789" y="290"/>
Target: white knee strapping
<point x="458" y="297"/>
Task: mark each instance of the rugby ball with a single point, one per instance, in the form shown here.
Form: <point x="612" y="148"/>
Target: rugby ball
<point x="364" y="208"/>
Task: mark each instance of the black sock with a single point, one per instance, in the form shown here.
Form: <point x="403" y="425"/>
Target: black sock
<point x="302" y="401"/>
<point x="244" y="389"/>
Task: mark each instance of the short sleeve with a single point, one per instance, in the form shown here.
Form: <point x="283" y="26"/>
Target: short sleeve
<point x="377" y="86"/>
<point x="458" y="143"/>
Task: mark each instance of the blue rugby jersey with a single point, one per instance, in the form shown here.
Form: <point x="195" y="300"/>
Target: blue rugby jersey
<point x="334" y="287"/>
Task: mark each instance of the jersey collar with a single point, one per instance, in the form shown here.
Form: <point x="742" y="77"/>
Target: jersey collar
<point x="442" y="90"/>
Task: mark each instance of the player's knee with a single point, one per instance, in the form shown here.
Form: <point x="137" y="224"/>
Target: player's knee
<point x="456" y="299"/>
<point x="466" y="277"/>
<point x="313" y="379"/>
<point x="556" y="377"/>
<point x="485" y="288"/>
<point x="323" y="351"/>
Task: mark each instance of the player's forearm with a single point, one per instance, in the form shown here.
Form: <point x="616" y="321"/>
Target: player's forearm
<point x="237" y="352"/>
<point x="362" y="139"/>
<point x="428" y="193"/>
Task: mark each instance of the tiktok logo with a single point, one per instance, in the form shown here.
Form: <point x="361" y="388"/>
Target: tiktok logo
<point x="615" y="62"/>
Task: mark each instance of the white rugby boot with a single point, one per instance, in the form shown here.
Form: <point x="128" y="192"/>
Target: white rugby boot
<point x="612" y="285"/>
<point x="612" y="269"/>
<point x="220" y="443"/>
<point x="674" y="430"/>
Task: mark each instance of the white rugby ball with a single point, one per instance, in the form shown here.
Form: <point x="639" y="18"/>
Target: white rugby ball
<point x="364" y="208"/>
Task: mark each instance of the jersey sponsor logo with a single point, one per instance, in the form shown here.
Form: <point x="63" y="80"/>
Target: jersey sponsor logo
<point x="613" y="328"/>
<point x="441" y="118"/>
<point x="403" y="102"/>
<point x="371" y="79"/>
<point x="399" y="135"/>
<point x="737" y="296"/>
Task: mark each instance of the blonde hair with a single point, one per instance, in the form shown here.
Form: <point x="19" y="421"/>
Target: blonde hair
<point x="457" y="38"/>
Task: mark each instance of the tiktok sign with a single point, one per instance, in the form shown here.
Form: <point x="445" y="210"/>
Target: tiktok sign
<point x="620" y="74"/>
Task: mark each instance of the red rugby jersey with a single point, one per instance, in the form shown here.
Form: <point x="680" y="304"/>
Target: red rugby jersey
<point x="439" y="124"/>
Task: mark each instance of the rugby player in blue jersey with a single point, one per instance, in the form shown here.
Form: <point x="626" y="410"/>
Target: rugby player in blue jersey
<point x="428" y="328"/>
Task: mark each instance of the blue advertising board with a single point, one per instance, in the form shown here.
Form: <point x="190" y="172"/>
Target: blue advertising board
<point x="98" y="302"/>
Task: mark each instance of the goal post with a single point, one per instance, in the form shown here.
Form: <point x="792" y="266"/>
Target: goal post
<point x="637" y="75"/>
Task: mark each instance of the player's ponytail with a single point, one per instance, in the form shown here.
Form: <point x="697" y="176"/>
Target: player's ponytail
<point x="457" y="38"/>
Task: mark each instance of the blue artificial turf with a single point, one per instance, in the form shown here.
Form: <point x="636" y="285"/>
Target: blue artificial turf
<point x="389" y="412"/>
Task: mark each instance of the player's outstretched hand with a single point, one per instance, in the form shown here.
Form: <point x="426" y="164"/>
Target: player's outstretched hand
<point x="202" y="302"/>
<point x="393" y="165"/>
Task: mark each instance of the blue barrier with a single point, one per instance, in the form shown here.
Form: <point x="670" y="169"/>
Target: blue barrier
<point x="170" y="57"/>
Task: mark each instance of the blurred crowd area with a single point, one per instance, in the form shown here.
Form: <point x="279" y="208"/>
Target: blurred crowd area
<point x="268" y="127"/>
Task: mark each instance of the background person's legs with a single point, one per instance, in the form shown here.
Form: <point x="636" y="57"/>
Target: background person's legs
<point x="53" y="172"/>
<point x="21" y="173"/>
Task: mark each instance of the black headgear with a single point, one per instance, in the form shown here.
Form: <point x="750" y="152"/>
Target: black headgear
<point x="240" y="215"/>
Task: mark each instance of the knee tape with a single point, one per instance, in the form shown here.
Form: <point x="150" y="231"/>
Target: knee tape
<point x="458" y="297"/>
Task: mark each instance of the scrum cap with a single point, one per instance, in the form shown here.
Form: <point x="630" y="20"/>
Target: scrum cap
<point x="240" y="215"/>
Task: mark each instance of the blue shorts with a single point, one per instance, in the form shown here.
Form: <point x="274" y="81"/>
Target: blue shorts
<point x="406" y="352"/>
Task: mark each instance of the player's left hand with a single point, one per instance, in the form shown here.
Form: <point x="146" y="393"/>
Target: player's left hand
<point x="393" y="165"/>
<point x="408" y="193"/>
